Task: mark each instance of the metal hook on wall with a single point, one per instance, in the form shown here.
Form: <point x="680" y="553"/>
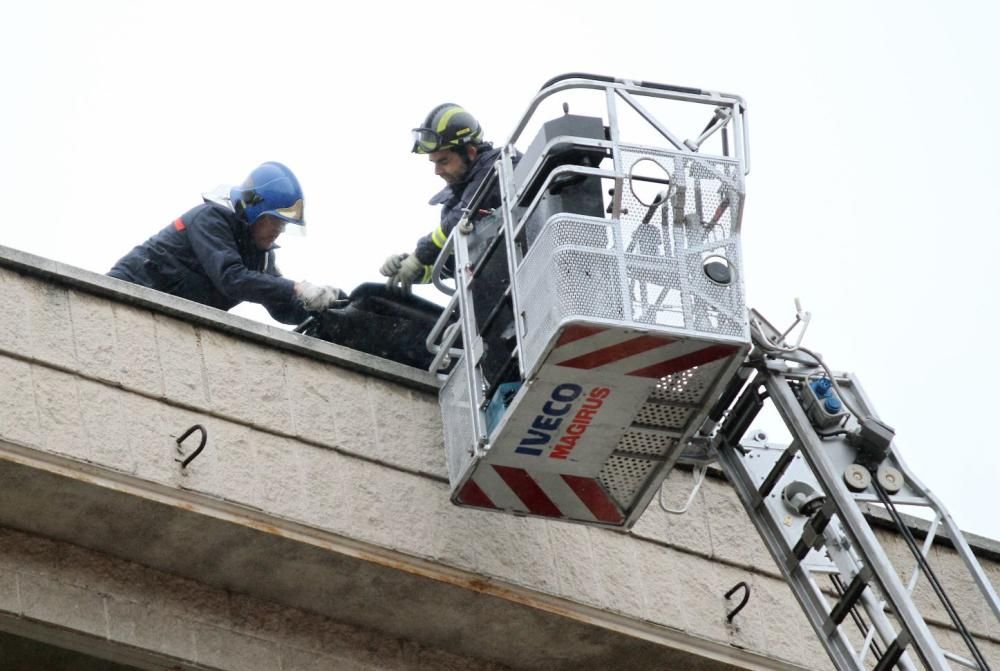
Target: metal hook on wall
<point x="201" y="446"/>
<point x="742" y="603"/>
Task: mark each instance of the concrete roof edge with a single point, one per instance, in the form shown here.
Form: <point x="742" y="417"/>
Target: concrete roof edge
<point x="981" y="545"/>
<point x="201" y="315"/>
<point x="193" y="502"/>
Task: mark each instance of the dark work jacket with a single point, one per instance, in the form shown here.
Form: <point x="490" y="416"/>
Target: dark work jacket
<point x="454" y="200"/>
<point x="208" y="256"/>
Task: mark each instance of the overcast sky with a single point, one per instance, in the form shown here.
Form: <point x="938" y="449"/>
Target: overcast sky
<point x="873" y="131"/>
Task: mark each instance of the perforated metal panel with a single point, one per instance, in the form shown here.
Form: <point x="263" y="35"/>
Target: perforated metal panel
<point x="646" y="268"/>
<point x="688" y="386"/>
<point x="657" y="413"/>
<point x="699" y="185"/>
<point x="672" y="404"/>
<point x="568" y="272"/>
<point x="636" y="441"/>
<point x="623" y="476"/>
<point x="667" y="244"/>
<point x="456" y="416"/>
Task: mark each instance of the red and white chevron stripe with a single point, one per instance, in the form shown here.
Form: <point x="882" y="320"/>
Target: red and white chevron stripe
<point x="614" y="351"/>
<point x="549" y="459"/>
<point x="546" y="494"/>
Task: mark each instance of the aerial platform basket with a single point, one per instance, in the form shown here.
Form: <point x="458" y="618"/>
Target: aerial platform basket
<point x="600" y="303"/>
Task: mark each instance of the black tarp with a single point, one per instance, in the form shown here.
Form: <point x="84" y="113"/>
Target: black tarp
<point x="378" y="321"/>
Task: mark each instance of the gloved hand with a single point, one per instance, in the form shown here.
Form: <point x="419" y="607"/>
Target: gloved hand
<point x="392" y="264"/>
<point x="410" y="270"/>
<point x="317" y="298"/>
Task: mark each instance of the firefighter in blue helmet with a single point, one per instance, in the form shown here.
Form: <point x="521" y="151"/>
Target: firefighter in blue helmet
<point x="453" y="142"/>
<point x="221" y="252"/>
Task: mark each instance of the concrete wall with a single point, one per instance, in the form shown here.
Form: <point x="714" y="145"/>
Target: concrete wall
<point x="321" y="497"/>
<point x="136" y="616"/>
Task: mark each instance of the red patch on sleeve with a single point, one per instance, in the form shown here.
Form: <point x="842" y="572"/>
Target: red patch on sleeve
<point x="179" y="224"/>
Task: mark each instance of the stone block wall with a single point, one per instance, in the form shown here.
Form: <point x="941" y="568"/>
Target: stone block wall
<point x="302" y="440"/>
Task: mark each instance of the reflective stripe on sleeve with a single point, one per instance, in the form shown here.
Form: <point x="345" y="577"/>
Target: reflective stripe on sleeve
<point x="438" y="237"/>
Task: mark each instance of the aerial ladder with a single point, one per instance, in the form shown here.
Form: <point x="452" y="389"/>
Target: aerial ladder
<point x="597" y="337"/>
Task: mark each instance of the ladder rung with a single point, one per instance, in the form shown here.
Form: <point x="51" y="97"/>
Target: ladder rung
<point x="779" y="469"/>
<point x="851" y="595"/>
<point x="804" y="545"/>
<point x="894" y="652"/>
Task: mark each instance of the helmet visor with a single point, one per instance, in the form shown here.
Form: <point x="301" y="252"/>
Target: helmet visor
<point x="292" y="214"/>
<point x="426" y="141"/>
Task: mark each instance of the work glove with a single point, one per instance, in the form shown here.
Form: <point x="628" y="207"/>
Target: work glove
<point x="410" y="270"/>
<point x="392" y="264"/>
<point x="316" y="298"/>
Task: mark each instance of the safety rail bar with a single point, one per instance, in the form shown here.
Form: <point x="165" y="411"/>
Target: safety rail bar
<point x="561" y="139"/>
<point x="437" y="270"/>
<point x="557" y="172"/>
<point x="619" y="80"/>
<point x="624" y="87"/>
<point x="448" y="333"/>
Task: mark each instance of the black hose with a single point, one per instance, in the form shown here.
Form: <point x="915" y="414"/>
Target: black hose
<point x="932" y="578"/>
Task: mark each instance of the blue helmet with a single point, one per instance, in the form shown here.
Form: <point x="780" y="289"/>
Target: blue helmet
<point x="270" y="189"/>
